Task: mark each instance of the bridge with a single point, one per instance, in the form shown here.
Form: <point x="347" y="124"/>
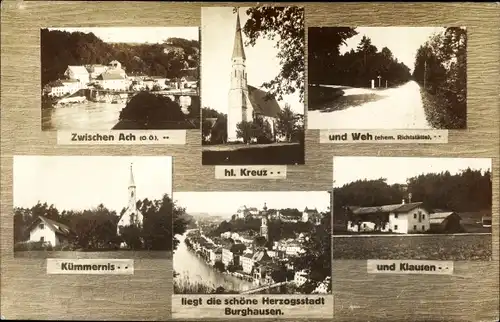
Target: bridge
<point x="110" y="96"/>
<point x="265" y="287"/>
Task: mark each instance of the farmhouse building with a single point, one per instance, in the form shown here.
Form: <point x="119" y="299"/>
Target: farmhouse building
<point x="131" y="216"/>
<point x="401" y="218"/>
<point x="445" y="221"/>
<point x="246" y="102"/>
<point x="49" y="231"/>
<point x="79" y="73"/>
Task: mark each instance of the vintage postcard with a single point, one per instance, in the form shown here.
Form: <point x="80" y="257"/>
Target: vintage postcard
<point x="98" y="207"/>
<point x="252" y="86"/>
<point x="120" y="78"/>
<point x="412" y="208"/>
<point x="387" y="78"/>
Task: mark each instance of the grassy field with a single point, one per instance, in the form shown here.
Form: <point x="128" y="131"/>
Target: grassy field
<point x="276" y="154"/>
<point x="41" y="254"/>
<point x="424" y="247"/>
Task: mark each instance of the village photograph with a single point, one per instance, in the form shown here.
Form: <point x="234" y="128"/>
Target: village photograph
<point x="412" y="208"/>
<point x="120" y="78"/>
<point x="253" y="63"/>
<point x="100" y="207"/>
<point x="392" y="78"/>
<point x="253" y="243"/>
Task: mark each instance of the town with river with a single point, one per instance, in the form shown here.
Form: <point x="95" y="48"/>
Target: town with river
<point x="91" y="97"/>
<point x="210" y="258"/>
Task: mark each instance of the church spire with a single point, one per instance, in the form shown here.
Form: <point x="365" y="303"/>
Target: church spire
<point x="131" y="181"/>
<point x="238" y="50"/>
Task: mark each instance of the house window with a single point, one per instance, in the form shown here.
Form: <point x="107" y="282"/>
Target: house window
<point x="41" y="226"/>
<point x="414" y="216"/>
<point x="423" y="228"/>
<point x="42" y="239"/>
<point x="395" y="227"/>
<point x="423" y="216"/>
<point x="415" y="227"/>
<point x="396" y="216"/>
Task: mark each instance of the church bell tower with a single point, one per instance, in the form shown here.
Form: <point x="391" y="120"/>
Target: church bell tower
<point x="132" y="199"/>
<point x="238" y="91"/>
<point x="263" y="223"/>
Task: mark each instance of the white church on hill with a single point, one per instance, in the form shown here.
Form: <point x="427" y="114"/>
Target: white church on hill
<point x="131" y="216"/>
<point x="246" y="102"/>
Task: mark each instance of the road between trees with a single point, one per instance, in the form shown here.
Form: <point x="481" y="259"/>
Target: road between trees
<point x="360" y="108"/>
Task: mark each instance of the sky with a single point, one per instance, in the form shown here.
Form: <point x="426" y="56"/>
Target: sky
<point x="227" y="203"/>
<point x="217" y="41"/>
<point x="78" y="183"/>
<point x="402" y="41"/>
<point x="398" y="169"/>
<point x="138" y="34"/>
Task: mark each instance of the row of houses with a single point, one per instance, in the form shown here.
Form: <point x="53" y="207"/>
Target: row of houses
<point x="255" y="264"/>
<point x="404" y="218"/>
<point x="311" y="215"/>
<point x="113" y="77"/>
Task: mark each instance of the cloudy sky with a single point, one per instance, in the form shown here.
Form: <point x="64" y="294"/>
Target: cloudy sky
<point x="217" y="41"/>
<point x="79" y="183"/>
<point x="227" y="203"/>
<point x="398" y="169"/>
<point x="402" y="41"/>
<point x="149" y="35"/>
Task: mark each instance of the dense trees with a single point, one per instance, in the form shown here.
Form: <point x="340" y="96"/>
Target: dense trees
<point x="356" y="67"/>
<point x="317" y="257"/>
<point x="467" y="191"/>
<point x="95" y="228"/>
<point x="152" y="111"/>
<point x="213" y="126"/>
<point x="60" y="49"/>
<point x="285" y="25"/>
<point x="441" y="69"/>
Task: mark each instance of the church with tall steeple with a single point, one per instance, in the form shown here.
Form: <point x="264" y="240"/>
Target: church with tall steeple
<point x="131" y="215"/>
<point x="263" y="223"/>
<point x="246" y="102"/>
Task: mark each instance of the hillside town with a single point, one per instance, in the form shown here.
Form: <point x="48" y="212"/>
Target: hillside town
<point x="114" y="78"/>
<point x="262" y="258"/>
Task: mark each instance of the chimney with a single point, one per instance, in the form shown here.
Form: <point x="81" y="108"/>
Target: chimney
<point x="403" y="201"/>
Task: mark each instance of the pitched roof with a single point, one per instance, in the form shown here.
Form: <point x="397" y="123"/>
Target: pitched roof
<point x="262" y="103"/>
<point x="110" y="75"/>
<point x="396" y="208"/>
<point x="260" y="256"/>
<point x="442" y="215"/>
<point x="238" y="49"/>
<point x="58" y="228"/>
<point x="78" y="69"/>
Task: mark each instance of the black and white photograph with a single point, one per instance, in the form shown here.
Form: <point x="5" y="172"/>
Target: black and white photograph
<point x="120" y="78"/>
<point x="390" y="78"/>
<point x="412" y="208"/>
<point x="253" y="243"/>
<point x="252" y="85"/>
<point x="97" y="207"/>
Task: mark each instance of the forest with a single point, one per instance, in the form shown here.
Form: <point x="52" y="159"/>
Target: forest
<point x="61" y="48"/>
<point x="356" y="67"/>
<point x="441" y="71"/>
<point x="467" y="191"/>
<point x="95" y="229"/>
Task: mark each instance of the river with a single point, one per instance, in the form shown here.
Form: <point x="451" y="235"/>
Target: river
<point x="192" y="268"/>
<point x="82" y="116"/>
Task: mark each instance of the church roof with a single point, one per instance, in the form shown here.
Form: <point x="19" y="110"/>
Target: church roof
<point x="262" y="103"/>
<point x="238" y="50"/>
